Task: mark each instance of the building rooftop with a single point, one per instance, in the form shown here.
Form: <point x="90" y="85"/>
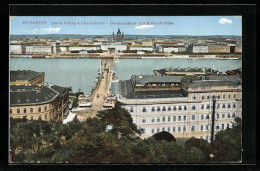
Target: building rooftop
<point x="144" y="79"/>
<point x="29" y="95"/>
<point x="23" y="75"/>
<point x="204" y="70"/>
<point x="202" y="81"/>
<point x="127" y="91"/>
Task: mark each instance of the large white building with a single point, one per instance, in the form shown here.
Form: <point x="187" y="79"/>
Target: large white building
<point x="182" y="105"/>
<point x="39" y="49"/>
<point x="16" y="49"/>
<point x="118" y="47"/>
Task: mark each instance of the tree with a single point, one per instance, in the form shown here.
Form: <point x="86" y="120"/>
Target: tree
<point x="164" y="135"/>
<point x="227" y="144"/>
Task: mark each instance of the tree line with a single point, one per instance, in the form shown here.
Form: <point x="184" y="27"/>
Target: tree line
<point x="112" y="137"/>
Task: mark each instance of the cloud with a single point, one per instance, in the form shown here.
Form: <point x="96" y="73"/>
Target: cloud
<point x="144" y="26"/>
<point x="224" y="21"/>
<point x="49" y="30"/>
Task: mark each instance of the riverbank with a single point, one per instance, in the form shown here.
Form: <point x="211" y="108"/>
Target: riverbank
<point x="129" y="56"/>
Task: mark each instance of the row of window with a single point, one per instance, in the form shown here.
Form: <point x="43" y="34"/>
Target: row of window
<point x="194" y="97"/>
<point x="184" y="118"/>
<point x="18" y="110"/>
<point x="174" y="108"/>
<point x="39" y="117"/>
<point x="184" y="128"/>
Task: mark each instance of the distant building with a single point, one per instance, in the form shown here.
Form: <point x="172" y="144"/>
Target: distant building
<point x="119" y="37"/>
<point x="118" y="47"/>
<point x="197" y="49"/>
<point x="181" y="105"/>
<point x="39" y="49"/>
<point x="15" y="49"/>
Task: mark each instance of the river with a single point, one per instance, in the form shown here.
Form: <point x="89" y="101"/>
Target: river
<point x="81" y="73"/>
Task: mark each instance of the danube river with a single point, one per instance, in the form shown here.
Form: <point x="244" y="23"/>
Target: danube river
<point x="81" y="73"/>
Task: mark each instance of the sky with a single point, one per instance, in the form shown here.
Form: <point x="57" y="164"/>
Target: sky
<point x="130" y="25"/>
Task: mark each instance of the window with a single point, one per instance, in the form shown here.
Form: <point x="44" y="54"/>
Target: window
<point x="39" y="109"/>
<point x="169" y="118"/>
<point x="217" y="116"/>
<point x="158" y="119"/>
<point x="223" y="126"/>
<point x="202" y="106"/>
<point x="228" y="115"/>
<point x="201" y="117"/>
<point x="131" y="109"/>
<point x="192" y="128"/>
<point x="174" y="118"/>
<point x="179" y="118"/>
<point x="227" y="126"/>
<point x="10" y="111"/>
<point x="202" y="97"/>
<point x="18" y="110"/>
<point x="229" y="106"/>
<point x="224" y="96"/>
<point x="143" y="120"/>
<point x="169" y="108"/>
<point x="45" y="116"/>
<point x="158" y="109"/>
<point x="223" y="116"/>
<point x="184" y="128"/>
<point x="180" y="108"/>
<point x="218" y="106"/>
<point x="184" y="118"/>
<point x="31" y="110"/>
<point x="143" y="131"/>
<point x="233" y="115"/>
<point x="24" y="110"/>
<point x="207" y="127"/>
<point x="223" y="106"/>
<point x="153" y="109"/>
<point x="201" y="127"/>
<point x="194" y="97"/>
<point x="45" y="108"/>
<point x="31" y="118"/>
<point x="193" y="107"/>
<point x="218" y="96"/>
<point x="144" y="109"/>
<point x="158" y="130"/>
<point x="207" y="106"/>
<point x="152" y="119"/>
<point x="179" y="129"/>
<point x="173" y="129"/>
<point x="185" y="107"/>
<point x="163" y="119"/>
<point x="193" y="117"/>
<point x="163" y="129"/>
<point x="207" y="117"/>
<point x="40" y="117"/>
<point x="174" y="108"/>
<point x="208" y="97"/>
<point x="229" y="96"/>
<point x="234" y="105"/>
<point x="217" y="127"/>
<point x="163" y="109"/>
<point x="152" y="131"/>
<point x="234" y="96"/>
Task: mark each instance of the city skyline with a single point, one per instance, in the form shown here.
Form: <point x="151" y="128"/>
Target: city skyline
<point x="130" y="25"/>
